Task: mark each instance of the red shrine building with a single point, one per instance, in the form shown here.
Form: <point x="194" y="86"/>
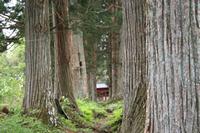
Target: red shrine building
<point x="102" y="91"/>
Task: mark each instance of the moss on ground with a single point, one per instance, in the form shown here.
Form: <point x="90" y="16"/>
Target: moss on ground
<point x="91" y="110"/>
<point x="16" y="123"/>
<point x="114" y="119"/>
<point x="93" y="117"/>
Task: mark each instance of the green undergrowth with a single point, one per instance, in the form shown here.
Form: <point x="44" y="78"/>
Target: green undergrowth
<point x="103" y="117"/>
<point x="85" y="120"/>
<point x="72" y="115"/>
<point x="92" y="111"/>
<point x="93" y="117"/>
<point x="16" y="123"/>
<point x="114" y="118"/>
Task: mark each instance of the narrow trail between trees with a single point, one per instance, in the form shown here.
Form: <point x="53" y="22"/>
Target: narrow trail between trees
<point x="97" y="117"/>
<point x="101" y="124"/>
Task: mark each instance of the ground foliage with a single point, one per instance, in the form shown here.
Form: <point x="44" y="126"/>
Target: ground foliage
<point x="93" y="118"/>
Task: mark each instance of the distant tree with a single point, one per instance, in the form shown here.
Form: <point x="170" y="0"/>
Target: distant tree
<point x="94" y="20"/>
<point x="114" y="52"/>
<point x="91" y="63"/>
<point x="134" y="66"/>
<point x="79" y="66"/>
<point x="173" y="42"/>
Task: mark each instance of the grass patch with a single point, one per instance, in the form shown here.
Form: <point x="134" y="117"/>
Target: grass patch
<point x="82" y="121"/>
<point x="91" y="110"/>
<point x="92" y="117"/>
<point x="16" y="123"/>
<point x="115" y="119"/>
<point x="66" y="123"/>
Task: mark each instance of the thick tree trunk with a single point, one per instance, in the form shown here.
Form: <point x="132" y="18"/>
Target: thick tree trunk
<point x="63" y="46"/>
<point x="173" y="40"/>
<point x="79" y="67"/>
<point x="82" y="64"/>
<point x="134" y="65"/>
<point x="39" y="92"/>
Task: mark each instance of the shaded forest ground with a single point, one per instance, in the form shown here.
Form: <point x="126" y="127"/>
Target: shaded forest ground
<point x="93" y="118"/>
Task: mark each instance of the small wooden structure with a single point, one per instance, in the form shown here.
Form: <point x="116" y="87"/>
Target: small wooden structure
<point x="102" y="91"/>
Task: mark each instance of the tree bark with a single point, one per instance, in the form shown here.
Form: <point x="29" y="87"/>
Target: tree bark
<point x="79" y="66"/>
<point x="91" y="61"/>
<point x="115" y="62"/>
<point x="173" y="39"/>
<point x="63" y="46"/>
<point x="92" y="86"/>
<point x="39" y="93"/>
<point x="115" y="91"/>
<point x="134" y="66"/>
<point x="92" y="74"/>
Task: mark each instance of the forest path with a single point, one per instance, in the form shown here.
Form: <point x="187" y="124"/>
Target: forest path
<point x="101" y="125"/>
<point x="101" y="117"/>
<point x="111" y="122"/>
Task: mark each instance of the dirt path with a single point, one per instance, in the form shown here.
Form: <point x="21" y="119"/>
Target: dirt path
<point x="101" y="124"/>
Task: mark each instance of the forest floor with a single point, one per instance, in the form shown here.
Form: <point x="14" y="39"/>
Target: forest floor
<point x="104" y="117"/>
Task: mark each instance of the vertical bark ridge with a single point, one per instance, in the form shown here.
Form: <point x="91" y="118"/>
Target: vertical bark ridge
<point x="63" y="55"/>
<point x="134" y="65"/>
<point x="173" y="67"/>
<point x="39" y="89"/>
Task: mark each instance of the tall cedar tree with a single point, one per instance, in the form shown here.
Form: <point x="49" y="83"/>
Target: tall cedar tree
<point x="39" y="92"/>
<point x="173" y="39"/>
<point x="63" y="45"/>
<point x="134" y="65"/>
